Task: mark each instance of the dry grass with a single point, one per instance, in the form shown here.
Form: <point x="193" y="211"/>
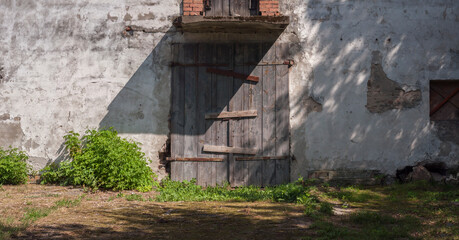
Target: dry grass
<point x="397" y="212"/>
<point x="109" y="215"/>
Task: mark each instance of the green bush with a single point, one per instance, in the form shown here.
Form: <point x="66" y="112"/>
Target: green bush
<point x="101" y="159"/>
<point x="13" y="166"/>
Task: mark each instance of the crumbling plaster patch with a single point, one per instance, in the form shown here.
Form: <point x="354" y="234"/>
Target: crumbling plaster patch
<point x="384" y="94"/>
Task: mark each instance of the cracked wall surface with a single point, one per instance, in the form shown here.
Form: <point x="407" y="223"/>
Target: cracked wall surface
<point x="368" y="63"/>
<point x="358" y="89"/>
<point x="383" y="94"/>
<point x="66" y="65"/>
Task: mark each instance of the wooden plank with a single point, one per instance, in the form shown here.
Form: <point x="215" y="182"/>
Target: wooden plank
<point x="177" y="114"/>
<point x="282" y="116"/>
<point x="204" y="126"/>
<point x="190" y="141"/>
<point x="224" y="91"/>
<point x="233" y="74"/>
<point x="195" y="160"/>
<point x="216" y="8"/>
<point x="225" y="7"/>
<point x="261" y="158"/>
<point x="213" y="107"/>
<point x="238" y="170"/>
<point x="254" y="54"/>
<point x="225" y="149"/>
<point x="240" y="8"/>
<point x="232" y="114"/>
<point x="269" y="116"/>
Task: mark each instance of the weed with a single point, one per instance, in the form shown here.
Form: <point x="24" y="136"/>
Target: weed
<point x="13" y="166"/>
<point x="326" y="208"/>
<point x="134" y="197"/>
<point x="353" y="194"/>
<point x="52" y="195"/>
<point x="33" y="214"/>
<point x="101" y="159"/>
<point x="68" y="202"/>
<point x="8" y="229"/>
<point x="189" y="191"/>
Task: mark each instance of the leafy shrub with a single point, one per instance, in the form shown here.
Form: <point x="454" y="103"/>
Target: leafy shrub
<point x="13" y="166"/>
<point x="101" y="159"/>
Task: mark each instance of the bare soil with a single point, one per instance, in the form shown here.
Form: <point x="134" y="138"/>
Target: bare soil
<point x="106" y="215"/>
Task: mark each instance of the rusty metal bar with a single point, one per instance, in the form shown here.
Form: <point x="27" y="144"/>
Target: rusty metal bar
<point x="436" y="108"/>
<point x="233" y="74"/>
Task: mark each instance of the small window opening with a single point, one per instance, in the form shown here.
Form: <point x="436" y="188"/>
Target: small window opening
<point x="444" y="100"/>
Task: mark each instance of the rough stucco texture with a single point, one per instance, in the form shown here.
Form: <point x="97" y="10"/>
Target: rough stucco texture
<point x="69" y="65"/>
<point x="73" y="65"/>
<point x="368" y="63"/>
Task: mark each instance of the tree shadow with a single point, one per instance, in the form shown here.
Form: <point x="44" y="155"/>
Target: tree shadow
<point x="331" y="126"/>
<point x="138" y="108"/>
<point x="154" y="221"/>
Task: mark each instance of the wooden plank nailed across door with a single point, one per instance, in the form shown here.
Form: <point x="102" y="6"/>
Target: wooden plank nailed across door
<point x="233" y="114"/>
<point x="225" y="149"/>
<point x="229" y="73"/>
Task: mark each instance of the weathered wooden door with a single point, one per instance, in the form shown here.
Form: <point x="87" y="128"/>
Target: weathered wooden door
<point x="230" y="114"/>
<point x="242" y="8"/>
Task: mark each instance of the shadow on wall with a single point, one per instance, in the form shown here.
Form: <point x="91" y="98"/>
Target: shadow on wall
<point x="364" y="76"/>
<point x="140" y="106"/>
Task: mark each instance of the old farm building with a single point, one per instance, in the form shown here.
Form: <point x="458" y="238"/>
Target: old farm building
<point x="246" y="91"/>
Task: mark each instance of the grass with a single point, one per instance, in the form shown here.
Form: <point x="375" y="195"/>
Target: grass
<point x="420" y="210"/>
<point x="366" y="225"/>
<point x="188" y="191"/>
<point x="9" y="227"/>
<point x="134" y="197"/>
<point x="68" y="202"/>
<point x="33" y="214"/>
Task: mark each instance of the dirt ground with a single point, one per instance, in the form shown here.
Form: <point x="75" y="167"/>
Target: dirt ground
<point x="400" y="211"/>
<point x="107" y="215"/>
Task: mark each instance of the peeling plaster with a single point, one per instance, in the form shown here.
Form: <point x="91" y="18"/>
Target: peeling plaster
<point x="385" y="94"/>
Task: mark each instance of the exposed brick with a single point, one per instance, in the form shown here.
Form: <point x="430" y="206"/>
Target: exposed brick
<point x="383" y="94"/>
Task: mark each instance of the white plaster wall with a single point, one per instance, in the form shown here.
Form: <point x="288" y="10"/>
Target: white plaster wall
<point x="335" y="42"/>
<point x="68" y="66"/>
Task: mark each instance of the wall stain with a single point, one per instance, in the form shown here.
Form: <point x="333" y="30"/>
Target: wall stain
<point x="384" y="94"/>
<point x="146" y="16"/>
<point x="112" y="18"/>
<point x="2" y="74"/>
<point x="312" y="105"/>
<point x="127" y="17"/>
